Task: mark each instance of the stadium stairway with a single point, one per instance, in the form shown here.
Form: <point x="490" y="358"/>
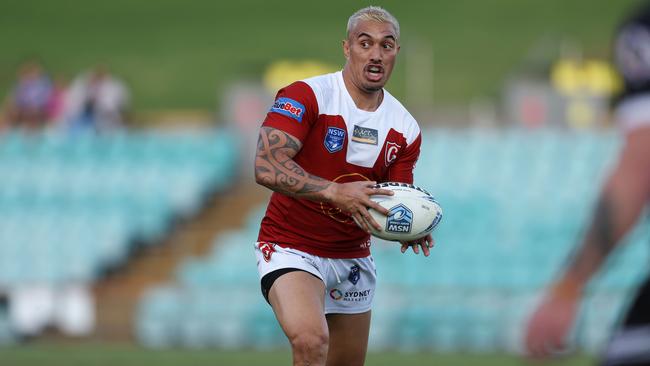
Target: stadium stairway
<point x="117" y="295"/>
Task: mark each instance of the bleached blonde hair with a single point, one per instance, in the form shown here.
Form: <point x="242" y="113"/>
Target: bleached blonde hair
<point x="375" y="14"/>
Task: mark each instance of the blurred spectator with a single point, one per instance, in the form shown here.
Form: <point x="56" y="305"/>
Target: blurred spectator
<point x="56" y="104"/>
<point x="27" y="104"/>
<point x="96" y="100"/>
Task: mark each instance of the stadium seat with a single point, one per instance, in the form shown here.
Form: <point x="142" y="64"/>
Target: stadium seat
<point x="89" y="198"/>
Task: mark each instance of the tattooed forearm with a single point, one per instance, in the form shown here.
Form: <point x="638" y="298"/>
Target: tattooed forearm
<point x="276" y="169"/>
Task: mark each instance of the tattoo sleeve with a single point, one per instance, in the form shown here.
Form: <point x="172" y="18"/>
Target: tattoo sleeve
<point x="276" y="169"/>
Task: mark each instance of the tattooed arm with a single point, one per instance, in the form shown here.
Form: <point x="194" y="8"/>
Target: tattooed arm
<point x="620" y="204"/>
<point x="276" y="169"/>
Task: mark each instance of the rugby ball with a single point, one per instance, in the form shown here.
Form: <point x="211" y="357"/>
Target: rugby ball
<point x="412" y="212"/>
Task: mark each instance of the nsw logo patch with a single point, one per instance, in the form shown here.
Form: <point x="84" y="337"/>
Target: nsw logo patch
<point x="289" y="108"/>
<point x="400" y="219"/>
<point x="334" y="139"/>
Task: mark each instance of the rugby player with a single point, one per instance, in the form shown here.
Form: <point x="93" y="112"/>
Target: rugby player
<point x="324" y="144"/>
<point x="621" y="202"/>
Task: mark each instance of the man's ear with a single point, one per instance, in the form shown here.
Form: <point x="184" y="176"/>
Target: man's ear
<point x="346" y="49"/>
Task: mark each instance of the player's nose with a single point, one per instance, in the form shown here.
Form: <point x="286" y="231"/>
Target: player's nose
<point x="375" y="54"/>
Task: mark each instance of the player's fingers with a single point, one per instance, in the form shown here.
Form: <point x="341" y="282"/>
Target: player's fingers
<point x="416" y="248"/>
<point x="404" y="247"/>
<point x="377" y="207"/>
<point x="369" y="219"/>
<point x="361" y="222"/>
<point x="373" y="189"/>
<point x="429" y="240"/>
<point x="425" y="248"/>
<point x="369" y="184"/>
<point x="382" y="192"/>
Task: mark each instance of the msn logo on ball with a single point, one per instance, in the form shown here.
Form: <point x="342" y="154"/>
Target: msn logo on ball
<point x="399" y="220"/>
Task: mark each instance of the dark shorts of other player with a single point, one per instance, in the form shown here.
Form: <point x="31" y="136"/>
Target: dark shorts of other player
<point x="630" y="345"/>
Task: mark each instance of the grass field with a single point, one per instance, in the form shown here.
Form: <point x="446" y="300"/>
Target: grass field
<point x="179" y="54"/>
<point x="123" y="355"/>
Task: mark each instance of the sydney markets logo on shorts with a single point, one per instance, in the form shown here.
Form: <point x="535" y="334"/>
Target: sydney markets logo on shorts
<point x="289" y="108"/>
<point x="351" y="296"/>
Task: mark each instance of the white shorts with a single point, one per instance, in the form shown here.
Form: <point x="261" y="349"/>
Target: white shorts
<point x="349" y="283"/>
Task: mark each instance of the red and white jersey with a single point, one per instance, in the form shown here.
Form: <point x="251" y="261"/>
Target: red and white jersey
<point x="341" y="143"/>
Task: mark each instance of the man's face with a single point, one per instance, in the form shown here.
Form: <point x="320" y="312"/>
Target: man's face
<point x="370" y="51"/>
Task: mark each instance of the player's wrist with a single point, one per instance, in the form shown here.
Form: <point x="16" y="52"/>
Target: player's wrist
<point x="328" y="194"/>
<point x="568" y="287"/>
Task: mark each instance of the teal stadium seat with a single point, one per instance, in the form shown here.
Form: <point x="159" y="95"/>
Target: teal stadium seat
<point x="89" y="199"/>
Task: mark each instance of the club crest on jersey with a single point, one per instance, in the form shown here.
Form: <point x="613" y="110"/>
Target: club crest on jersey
<point x="365" y="135"/>
<point x="289" y="108"/>
<point x="355" y="274"/>
<point x="391" y="152"/>
<point x="399" y="219"/>
<point x="267" y="250"/>
<point x="334" y="139"/>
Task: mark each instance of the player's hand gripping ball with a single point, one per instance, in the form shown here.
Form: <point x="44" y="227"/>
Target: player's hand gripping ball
<point x="413" y="212"/>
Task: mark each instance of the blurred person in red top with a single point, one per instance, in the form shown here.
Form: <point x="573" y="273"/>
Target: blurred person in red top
<point x="622" y="200"/>
<point x="324" y="144"/>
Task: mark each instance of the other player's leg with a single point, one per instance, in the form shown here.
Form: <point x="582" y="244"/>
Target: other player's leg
<point x="630" y="346"/>
<point x="348" y="341"/>
<point x="297" y="300"/>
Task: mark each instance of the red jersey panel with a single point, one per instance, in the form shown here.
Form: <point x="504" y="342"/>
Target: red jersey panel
<point x="341" y="143"/>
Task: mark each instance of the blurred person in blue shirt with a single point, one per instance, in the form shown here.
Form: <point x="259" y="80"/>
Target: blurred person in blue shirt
<point x="28" y="102"/>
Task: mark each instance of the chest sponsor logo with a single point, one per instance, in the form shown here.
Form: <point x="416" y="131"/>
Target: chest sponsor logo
<point x="351" y="296"/>
<point x="355" y="274"/>
<point x="334" y="139"/>
<point x="267" y="250"/>
<point x="399" y="219"/>
<point x="365" y="135"/>
<point x="391" y="152"/>
<point x="289" y="108"/>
